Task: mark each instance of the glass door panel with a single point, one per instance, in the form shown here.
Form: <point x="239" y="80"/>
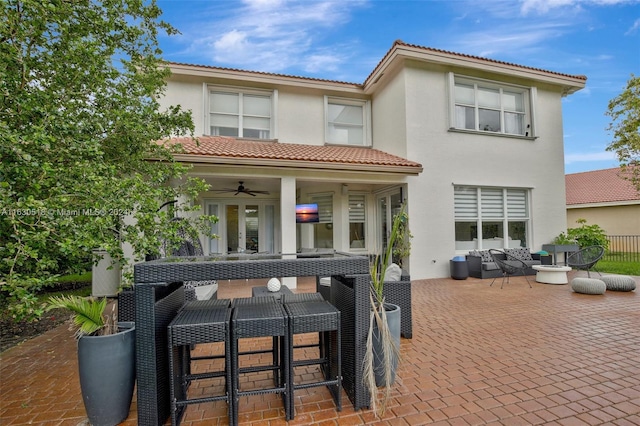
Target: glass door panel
<point x="243" y="228"/>
<point x="251" y="228"/>
<point x="232" y="228"/>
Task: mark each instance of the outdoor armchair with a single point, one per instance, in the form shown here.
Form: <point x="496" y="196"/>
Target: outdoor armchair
<point x="586" y="258"/>
<point x="509" y="265"/>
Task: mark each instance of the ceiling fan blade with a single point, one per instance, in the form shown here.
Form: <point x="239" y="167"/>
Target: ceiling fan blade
<point x="241" y="189"/>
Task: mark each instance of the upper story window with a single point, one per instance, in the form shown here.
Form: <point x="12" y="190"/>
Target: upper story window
<point x="244" y="114"/>
<point x="486" y="106"/>
<point x="347" y="121"/>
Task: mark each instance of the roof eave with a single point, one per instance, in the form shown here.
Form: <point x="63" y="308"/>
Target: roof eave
<point x="604" y="204"/>
<point x="569" y="84"/>
<point x="259" y="77"/>
<point x="297" y="164"/>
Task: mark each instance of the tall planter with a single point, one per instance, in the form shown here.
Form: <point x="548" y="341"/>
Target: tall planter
<point x="107" y="375"/>
<point x="393" y="321"/>
<point x="105" y="276"/>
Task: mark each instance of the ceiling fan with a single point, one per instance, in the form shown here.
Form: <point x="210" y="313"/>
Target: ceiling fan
<point x="241" y="189"/>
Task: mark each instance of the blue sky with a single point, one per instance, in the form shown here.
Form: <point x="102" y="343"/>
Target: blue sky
<point x="345" y="39"/>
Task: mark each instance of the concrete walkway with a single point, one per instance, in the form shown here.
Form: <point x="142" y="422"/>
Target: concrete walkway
<point x="479" y="355"/>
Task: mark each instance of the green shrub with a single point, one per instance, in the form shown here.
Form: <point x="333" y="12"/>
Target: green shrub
<point x="588" y="235"/>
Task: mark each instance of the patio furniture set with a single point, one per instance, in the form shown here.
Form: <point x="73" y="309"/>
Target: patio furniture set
<point x="167" y="327"/>
<point x="494" y="263"/>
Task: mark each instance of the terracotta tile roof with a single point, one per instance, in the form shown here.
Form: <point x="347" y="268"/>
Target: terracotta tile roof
<point x="221" y="147"/>
<point x="462" y="55"/>
<point x="264" y="73"/>
<point x="393" y="47"/>
<point x="599" y="186"/>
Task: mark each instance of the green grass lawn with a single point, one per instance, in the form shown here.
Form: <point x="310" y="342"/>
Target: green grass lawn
<point x="84" y="278"/>
<point x="76" y="284"/>
<point x="621" y="268"/>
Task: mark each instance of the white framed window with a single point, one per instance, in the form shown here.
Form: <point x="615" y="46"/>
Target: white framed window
<point x="241" y="113"/>
<point x="486" y="106"/>
<point x="488" y="217"/>
<point x="347" y="121"/>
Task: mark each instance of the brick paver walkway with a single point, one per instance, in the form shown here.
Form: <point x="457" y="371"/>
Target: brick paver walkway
<point x="479" y="355"/>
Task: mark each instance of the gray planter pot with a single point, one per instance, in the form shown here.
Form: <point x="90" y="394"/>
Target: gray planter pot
<point x="394" y="322"/>
<point x="107" y="375"/>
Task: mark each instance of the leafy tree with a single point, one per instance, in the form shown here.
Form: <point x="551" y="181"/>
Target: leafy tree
<point x="624" y="111"/>
<point x="79" y="120"/>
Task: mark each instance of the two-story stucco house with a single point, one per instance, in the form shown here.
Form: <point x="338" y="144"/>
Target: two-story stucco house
<point x="473" y="146"/>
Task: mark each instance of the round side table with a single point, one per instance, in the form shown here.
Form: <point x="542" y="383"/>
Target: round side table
<point x="551" y="274"/>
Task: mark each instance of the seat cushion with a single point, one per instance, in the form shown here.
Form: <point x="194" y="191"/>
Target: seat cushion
<point x="489" y="266"/>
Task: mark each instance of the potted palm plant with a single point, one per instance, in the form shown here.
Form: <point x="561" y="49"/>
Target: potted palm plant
<point x="382" y="354"/>
<point x="106" y="358"/>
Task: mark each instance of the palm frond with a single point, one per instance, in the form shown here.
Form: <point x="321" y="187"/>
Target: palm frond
<point x="88" y="313"/>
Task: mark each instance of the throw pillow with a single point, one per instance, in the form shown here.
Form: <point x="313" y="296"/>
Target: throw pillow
<point x="393" y="273"/>
<point x="521" y="253"/>
<point x="486" y="256"/>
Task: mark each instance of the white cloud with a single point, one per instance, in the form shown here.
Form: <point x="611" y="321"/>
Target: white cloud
<point x="544" y="6"/>
<point x="634" y="28"/>
<point x="512" y="38"/>
<point x="589" y="156"/>
<point x="275" y="35"/>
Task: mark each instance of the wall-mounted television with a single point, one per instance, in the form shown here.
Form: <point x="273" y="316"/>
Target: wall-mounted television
<point x="307" y="213"/>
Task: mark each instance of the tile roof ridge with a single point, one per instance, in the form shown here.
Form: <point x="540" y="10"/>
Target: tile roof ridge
<point x="399" y="42"/>
<point x="594" y="171"/>
<point x="396" y="44"/>
<point x="265" y="73"/>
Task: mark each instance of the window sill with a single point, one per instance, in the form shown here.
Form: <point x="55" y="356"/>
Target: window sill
<point x="496" y="134"/>
<point x="347" y="145"/>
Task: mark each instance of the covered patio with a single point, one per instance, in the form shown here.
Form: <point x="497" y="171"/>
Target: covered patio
<point x="479" y="355"/>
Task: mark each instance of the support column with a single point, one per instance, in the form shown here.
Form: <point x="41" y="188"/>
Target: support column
<point x="288" y="221"/>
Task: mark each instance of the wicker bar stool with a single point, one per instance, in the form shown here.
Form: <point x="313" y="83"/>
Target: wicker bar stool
<point x="260" y="317"/>
<point x="310" y="313"/>
<point x="205" y="321"/>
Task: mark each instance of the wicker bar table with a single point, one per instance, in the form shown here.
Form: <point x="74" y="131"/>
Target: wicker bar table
<point x="159" y="294"/>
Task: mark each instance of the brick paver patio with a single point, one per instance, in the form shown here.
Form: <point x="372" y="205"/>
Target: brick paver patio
<point x="479" y="355"/>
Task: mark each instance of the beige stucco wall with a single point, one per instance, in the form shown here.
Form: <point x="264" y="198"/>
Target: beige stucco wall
<point x="410" y="118"/>
<point x="299" y="113"/>
<point x="460" y="158"/>
<point x="615" y="220"/>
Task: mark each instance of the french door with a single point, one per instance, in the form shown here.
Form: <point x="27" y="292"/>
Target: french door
<point x="243" y="227"/>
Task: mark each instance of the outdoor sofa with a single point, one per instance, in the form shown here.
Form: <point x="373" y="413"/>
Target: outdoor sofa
<point x="481" y="265"/>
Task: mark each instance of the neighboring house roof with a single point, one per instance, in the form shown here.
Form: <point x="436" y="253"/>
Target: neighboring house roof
<point x="228" y="150"/>
<point x="598" y="188"/>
